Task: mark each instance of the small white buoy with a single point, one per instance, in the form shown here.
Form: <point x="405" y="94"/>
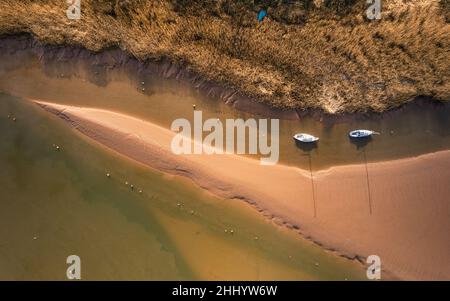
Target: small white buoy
<point x="142" y="83"/>
<point x="226" y="231"/>
<point x="35" y="237"/>
<point x="108" y="175"/>
<point x="14" y="119"/>
<point x="178" y="204"/>
<point x="193" y="106"/>
<point x="132" y="186"/>
<point x="231" y="231"/>
<point x="140" y="191"/>
<point x="143" y="89"/>
<point x="9" y="116"/>
<point x="192" y="212"/>
<point x="256" y="238"/>
<point x="126" y="182"/>
<point x="316" y="264"/>
<point x="57" y="148"/>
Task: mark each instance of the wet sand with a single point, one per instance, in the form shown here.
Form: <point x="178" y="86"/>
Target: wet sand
<point x="399" y="210"/>
<point x="56" y="203"/>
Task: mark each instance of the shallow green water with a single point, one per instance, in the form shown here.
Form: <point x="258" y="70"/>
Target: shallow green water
<point x="57" y="203"/>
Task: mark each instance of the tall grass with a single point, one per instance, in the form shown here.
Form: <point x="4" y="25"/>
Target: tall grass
<point x="307" y="54"/>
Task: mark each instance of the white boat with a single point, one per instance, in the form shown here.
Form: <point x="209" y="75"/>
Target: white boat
<point x="307" y="138"/>
<point x="361" y="133"/>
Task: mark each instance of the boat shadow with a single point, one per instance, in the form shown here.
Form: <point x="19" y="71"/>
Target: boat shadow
<point x="306" y="147"/>
<point x="360" y="142"/>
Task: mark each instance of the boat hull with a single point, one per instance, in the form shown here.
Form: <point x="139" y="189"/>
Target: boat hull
<point x="360" y="134"/>
<point x="305" y="138"/>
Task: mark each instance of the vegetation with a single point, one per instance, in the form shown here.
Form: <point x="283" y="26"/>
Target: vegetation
<point x="319" y="54"/>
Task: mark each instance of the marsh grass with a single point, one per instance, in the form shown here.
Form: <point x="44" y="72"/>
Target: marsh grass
<point x="319" y="54"/>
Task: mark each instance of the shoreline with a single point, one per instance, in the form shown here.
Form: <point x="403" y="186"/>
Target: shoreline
<point x="328" y="60"/>
<point x="114" y="57"/>
<point x="283" y="194"/>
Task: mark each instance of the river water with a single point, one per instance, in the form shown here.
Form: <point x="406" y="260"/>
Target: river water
<point x="57" y="203"/>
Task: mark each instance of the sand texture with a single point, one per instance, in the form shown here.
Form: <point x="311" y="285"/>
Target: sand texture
<point x="398" y="210"/>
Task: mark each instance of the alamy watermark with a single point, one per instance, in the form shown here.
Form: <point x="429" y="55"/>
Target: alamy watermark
<point x="373" y="12"/>
<point x="374" y="270"/>
<point x="74" y="270"/>
<point x="221" y="137"/>
<point x="73" y="12"/>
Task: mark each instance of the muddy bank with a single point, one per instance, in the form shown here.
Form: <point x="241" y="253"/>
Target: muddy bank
<point x="418" y="128"/>
<point x="99" y="63"/>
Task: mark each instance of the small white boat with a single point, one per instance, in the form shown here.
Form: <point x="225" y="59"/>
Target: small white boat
<point x="361" y="133"/>
<point x="307" y="138"/>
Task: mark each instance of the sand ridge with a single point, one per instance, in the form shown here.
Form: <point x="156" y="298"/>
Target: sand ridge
<point x="403" y="215"/>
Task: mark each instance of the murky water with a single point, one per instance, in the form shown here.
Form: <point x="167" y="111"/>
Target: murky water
<point x="416" y="130"/>
<point x="57" y="203"/>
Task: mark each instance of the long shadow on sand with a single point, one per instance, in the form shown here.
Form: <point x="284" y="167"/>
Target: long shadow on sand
<point x="306" y="147"/>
